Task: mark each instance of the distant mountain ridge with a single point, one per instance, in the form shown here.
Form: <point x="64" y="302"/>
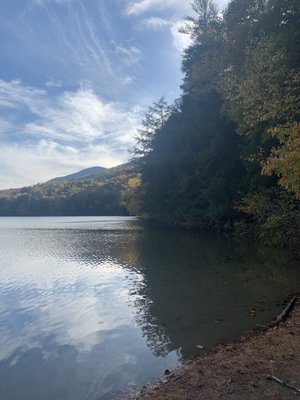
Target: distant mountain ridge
<point x="84" y="173"/>
<point x="103" y="192"/>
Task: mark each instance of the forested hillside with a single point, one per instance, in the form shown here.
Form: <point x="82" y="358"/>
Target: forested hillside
<point x="226" y="154"/>
<point x="106" y="193"/>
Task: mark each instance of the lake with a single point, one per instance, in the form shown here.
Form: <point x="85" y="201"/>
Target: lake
<point x="92" y="306"/>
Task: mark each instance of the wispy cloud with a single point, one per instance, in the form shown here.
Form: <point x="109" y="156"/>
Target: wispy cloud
<point x="83" y="116"/>
<point x="75" y="40"/>
<point x="13" y="94"/>
<point x="25" y="165"/>
<point x="79" y="115"/>
<point x="54" y="83"/>
<point x="75" y="129"/>
<point x="155" y="23"/>
<point x="130" y="55"/>
<point x="86" y="66"/>
<point x="171" y="21"/>
<point x="180" y="40"/>
<point x="137" y="7"/>
<point x="5" y="126"/>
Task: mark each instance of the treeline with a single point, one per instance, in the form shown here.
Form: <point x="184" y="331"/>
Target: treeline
<point x="107" y="193"/>
<point x="226" y="154"/>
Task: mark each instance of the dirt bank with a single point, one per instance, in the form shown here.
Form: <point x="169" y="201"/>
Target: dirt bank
<point x="239" y="371"/>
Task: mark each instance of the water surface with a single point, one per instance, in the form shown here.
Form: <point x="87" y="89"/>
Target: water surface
<point x="92" y="306"/>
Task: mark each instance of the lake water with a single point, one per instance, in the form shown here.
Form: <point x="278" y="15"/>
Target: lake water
<point x="92" y="306"/>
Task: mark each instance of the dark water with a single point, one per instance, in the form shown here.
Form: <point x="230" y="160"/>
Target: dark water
<point x="90" y="306"/>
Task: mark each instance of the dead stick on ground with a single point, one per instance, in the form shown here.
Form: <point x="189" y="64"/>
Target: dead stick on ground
<point x="287" y="309"/>
<point x="273" y="378"/>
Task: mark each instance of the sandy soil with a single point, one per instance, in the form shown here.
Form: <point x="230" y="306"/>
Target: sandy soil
<point x="239" y="371"/>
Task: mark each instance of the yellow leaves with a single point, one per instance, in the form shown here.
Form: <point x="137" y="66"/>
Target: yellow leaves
<point x="265" y="101"/>
<point x="284" y="161"/>
<point x="134" y="182"/>
<point x="266" y="90"/>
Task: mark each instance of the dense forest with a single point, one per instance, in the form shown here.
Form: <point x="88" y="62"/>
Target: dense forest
<point x="226" y="154"/>
<point x="106" y="193"/>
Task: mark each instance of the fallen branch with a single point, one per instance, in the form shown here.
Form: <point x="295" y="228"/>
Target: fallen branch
<point x="282" y="316"/>
<point x="274" y="378"/>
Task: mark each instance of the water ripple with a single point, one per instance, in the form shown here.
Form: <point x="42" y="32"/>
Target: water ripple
<point x="89" y="305"/>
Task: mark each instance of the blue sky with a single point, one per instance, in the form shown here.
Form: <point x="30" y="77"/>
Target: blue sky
<point x="76" y="77"/>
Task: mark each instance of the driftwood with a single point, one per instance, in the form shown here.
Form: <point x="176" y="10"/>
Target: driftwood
<point x="288" y="385"/>
<point x="282" y="316"/>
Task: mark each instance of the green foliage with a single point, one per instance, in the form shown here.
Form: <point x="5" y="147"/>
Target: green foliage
<point x="265" y="102"/>
<point x="284" y="160"/>
<point x="227" y="153"/>
<point x="233" y="136"/>
<point x="184" y="176"/>
<point x="131" y="195"/>
<point x="155" y="118"/>
<point x="275" y="217"/>
<point x="185" y="169"/>
<point x="105" y="194"/>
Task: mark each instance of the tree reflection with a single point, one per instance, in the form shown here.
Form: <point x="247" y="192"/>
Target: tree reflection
<point x="197" y="289"/>
<point x="186" y="289"/>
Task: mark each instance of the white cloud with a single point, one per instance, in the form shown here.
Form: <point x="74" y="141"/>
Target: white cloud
<point x="78" y="45"/>
<point x="129" y="55"/>
<point x="127" y="80"/>
<point x="137" y="7"/>
<point x="74" y="130"/>
<point x="83" y="116"/>
<point x="28" y="164"/>
<point x="5" y="126"/>
<point x="179" y="7"/>
<point x="54" y="83"/>
<point x="154" y="23"/>
<point x="78" y="115"/>
<point x="13" y="95"/>
<point x="70" y="323"/>
<point x="180" y="40"/>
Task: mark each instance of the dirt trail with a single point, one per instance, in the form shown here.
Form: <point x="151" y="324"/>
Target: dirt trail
<point x="239" y="371"/>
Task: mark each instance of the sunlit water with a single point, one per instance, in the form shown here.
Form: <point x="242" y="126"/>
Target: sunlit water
<point x="92" y="306"/>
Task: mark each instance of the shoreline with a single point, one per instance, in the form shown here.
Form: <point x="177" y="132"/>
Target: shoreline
<point x="239" y="370"/>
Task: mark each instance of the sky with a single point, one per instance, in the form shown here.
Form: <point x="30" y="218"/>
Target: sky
<point x="76" y="78"/>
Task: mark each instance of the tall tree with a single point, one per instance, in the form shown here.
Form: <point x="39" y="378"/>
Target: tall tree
<point x="262" y="91"/>
<point x="156" y="116"/>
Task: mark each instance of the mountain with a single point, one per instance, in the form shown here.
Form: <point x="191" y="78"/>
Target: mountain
<point x="80" y="174"/>
<point x="107" y="192"/>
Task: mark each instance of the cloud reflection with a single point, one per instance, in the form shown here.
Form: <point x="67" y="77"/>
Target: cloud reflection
<point x="89" y="305"/>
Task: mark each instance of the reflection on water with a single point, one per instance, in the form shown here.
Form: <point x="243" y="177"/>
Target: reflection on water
<point x="89" y="306"/>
